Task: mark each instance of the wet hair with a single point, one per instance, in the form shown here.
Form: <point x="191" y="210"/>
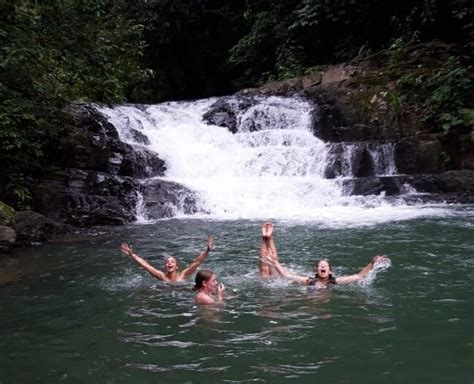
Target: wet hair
<point x="201" y="277"/>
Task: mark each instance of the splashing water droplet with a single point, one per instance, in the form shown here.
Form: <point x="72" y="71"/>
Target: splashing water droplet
<point x="381" y="264"/>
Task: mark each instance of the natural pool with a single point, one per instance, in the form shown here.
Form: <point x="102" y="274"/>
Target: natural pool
<point x="84" y="313"/>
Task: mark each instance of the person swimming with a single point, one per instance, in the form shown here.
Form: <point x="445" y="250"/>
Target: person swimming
<point x="323" y="272"/>
<point x="172" y="273"/>
<point x="209" y="290"/>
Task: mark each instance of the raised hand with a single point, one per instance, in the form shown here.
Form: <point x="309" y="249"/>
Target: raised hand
<point x="126" y="249"/>
<point x="379" y="258"/>
<point x="220" y="289"/>
<point x="210" y="243"/>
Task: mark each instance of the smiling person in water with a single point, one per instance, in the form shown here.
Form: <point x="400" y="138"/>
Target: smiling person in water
<point x="172" y="273"/>
<point x="323" y="271"/>
<point x="206" y="286"/>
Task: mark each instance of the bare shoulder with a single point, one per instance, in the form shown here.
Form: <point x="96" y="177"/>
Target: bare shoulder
<point x="203" y="298"/>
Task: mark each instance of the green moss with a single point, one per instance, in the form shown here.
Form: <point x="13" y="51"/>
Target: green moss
<point x="7" y="214"/>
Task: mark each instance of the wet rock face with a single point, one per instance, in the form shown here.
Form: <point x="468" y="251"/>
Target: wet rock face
<point x="165" y="199"/>
<point x="364" y="186"/>
<point x="35" y="227"/>
<point x="223" y="112"/>
<point x="92" y="178"/>
<point x="85" y="198"/>
<point x="449" y="182"/>
<point x="449" y="186"/>
<point x="7" y="238"/>
<point x="90" y="142"/>
<point x="414" y="155"/>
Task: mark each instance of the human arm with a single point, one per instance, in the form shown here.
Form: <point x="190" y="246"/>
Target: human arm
<point x="267" y="248"/>
<point x="362" y="273"/>
<point x="283" y="271"/>
<point x="188" y="271"/>
<point x="127" y="250"/>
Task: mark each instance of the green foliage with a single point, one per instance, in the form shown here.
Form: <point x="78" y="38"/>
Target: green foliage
<point x="187" y="46"/>
<point x="284" y="37"/>
<point x="255" y="53"/>
<point x="55" y="52"/>
<point x="452" y="88"/>
<point x="7" y="215"/>
<point x="439" y="87"/>
<point x="446" y="159"/>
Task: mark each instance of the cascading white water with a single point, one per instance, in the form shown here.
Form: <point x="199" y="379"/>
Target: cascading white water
<point x="383" y="158"/>
<point x="275" y="171"/>
<point x="347" y="160"/>
<point x="140" y="211"/>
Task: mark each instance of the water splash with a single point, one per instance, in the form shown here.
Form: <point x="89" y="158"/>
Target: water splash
<point x="380" y="265"/>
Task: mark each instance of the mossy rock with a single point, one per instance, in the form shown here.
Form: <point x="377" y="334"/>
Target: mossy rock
<point x="7" y="215"/>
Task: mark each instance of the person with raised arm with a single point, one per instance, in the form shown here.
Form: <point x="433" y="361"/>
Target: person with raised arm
<point x="323" y="271"/>
<point x="209" y="290"/>
<point x="172" y="273"/>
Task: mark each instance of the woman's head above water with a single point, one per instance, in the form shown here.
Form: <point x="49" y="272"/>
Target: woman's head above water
<point x="323" y="269"/>
<point x="171" y="264"/>
<point x="205" y="279"/>
<point x="208" y="289"/>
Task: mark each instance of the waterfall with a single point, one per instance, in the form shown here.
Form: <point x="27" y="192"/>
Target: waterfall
<point x="383" y="159"/>
<point x="272" y="166"/>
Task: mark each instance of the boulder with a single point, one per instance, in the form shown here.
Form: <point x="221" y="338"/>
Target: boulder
<point x="92" y="177"/>
<point x="89" y="142"/>
<point x="388" y="185"/>
<point x="85" y="198"/>
<point x="165" y="199"/>
<point x="34" y="227"/>
<point x="223" y="112"/>
<point x="459" y="182"/>
<point x="7" y="238"/>
<point x="418" y="155"/>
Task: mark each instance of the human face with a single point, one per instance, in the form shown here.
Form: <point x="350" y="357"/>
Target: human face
<point x="211" y="284"/>
<point x="323" y="269"/>
<point x="171" y="264"/>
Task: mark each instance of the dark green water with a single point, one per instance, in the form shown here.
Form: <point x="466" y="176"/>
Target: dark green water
<point x="84" y="313"/>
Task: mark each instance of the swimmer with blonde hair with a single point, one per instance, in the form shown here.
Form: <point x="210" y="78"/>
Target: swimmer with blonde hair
<point x="172" y="273"/>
